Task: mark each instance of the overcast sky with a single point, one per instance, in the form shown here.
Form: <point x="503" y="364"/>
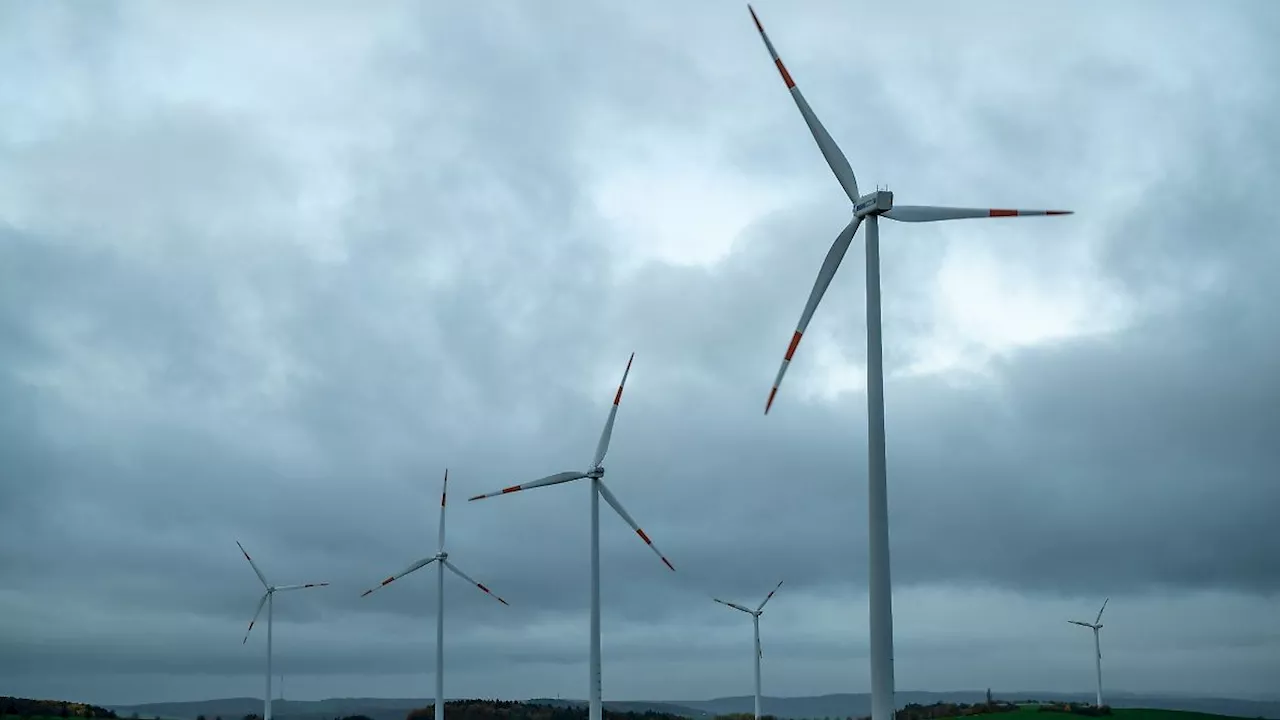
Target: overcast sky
<point x="266" y="270"/>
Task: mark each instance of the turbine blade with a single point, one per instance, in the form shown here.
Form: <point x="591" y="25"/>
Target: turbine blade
<point x="556" y="479"/>
<point x="735" y="606"/>
<point x="256" y="613"/>
<point x="1104" y="607"/>
<point x="613" y="502"/>
<point x="835" y="159"/>
<point x="466" y="577"/>
<point x="930" y="213"/>
<point x="1080" y="623"/>
<point x="444" y="493"/>
<point x="825" y="274"/>
<point x="420" y="564"/>
<point x="253" y="565"/>
<point x="603" y="446"/>
<point x="766" y="597"/>
<point x="301" y="587"/>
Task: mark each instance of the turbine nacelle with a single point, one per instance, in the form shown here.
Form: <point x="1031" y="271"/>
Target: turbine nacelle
<point x="880" y="201"/>
<point x="595" y="473"/>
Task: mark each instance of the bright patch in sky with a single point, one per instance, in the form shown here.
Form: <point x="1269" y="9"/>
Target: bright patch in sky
<point x="672" y="199"/>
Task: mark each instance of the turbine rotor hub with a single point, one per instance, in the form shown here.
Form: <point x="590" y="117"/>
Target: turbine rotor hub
<point x="596" y="472"/>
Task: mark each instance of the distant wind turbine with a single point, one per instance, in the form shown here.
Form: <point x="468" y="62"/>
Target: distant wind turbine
<point x="868" y="208"/>
<point x="598" y="490"/>
<point x="755" y="620"/>
<point x="443" y="562"/>
<point x="268" y="600"/>
<point x="1096" y="625"/>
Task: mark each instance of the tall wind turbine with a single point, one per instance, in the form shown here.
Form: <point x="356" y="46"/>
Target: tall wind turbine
<point x="755" y="620"/>
<point x="268" y="599"/>
<point x="1096" y="625"/>
<point x="869" y="207"/>
<point x="598" y="490"/>
<point x="441" y="558"/>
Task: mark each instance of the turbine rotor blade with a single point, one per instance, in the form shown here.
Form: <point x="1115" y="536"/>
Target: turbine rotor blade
<point x="556" y="479"/>
<point x="254" y="565"/>
<point x="1104" y="607"/>
<point x="1080" y="623"/>
<point x="825" y="274"/>
<point x="835" y="158"/>
<point x="930" y="213"/>
<point x="766" y="597"/>
<point x="278" y="588"/>
<point x="735" y="606"/>
<point x="466" y="577"/>
<point x="617" y="506"/>
<point x="444" y="494"/>
<point x="256" y="613"/>
<point x="420" y="564"/>
<point x="603" y="446"/>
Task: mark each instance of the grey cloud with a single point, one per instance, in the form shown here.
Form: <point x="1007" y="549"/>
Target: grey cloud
<point x="208" y="372"/>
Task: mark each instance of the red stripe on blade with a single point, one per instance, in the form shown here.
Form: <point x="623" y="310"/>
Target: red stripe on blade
<point x="753" y="17"/>
<point x="511" y="489"/>
<point x="644" y="537"/>
<point x="786" y="76"/>
<point x="795" y="342"/>
<point x="1002" y="213"/>
<point x="482" y="587"/>
<point x="668" y="564"/>
<point x="772" y="394"/>
<point x="384" y="582"/>
<point x="618" y="398"/>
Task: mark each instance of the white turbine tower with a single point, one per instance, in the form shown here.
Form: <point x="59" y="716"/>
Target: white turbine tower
<point x="441" y="558"/>
<point x="1096" y="625"/>
<point x="268" y="600"/>
<point x="870" y="208"/>
<point x="598" y="490"/>
<point x="755" y="620"/>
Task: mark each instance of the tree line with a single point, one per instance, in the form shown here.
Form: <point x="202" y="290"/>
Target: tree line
<point x="513" y="710"/>
<point x="28" y="708"/>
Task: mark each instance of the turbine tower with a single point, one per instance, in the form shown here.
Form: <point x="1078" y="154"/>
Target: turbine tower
<point x="598" y="490"/>
<point x="1096" y="625"/>
<point x="268" y="599"/>
<point x="869" y="208"/>
<point x="755" y="620"/>
<point x="441" y="558"/>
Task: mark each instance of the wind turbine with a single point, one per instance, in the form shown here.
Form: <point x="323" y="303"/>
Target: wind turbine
<point x="1096" y="625"/>
<point x="869" y="207"/>
<point x="441" y="558"/>
<point x="268" y="599"/>
<point x="598" y="490"/>
<point x="755" y="620"/>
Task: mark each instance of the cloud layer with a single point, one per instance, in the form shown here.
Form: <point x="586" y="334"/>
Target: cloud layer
<point x="265" y="273"/>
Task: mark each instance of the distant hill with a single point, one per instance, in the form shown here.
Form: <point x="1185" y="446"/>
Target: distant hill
<point x="790" y="708"/>
<point x="857" y="705"/>
<point x="393" y="709"/>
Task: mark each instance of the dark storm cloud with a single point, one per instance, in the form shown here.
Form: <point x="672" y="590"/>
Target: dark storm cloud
<point x="185" y="365"/>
